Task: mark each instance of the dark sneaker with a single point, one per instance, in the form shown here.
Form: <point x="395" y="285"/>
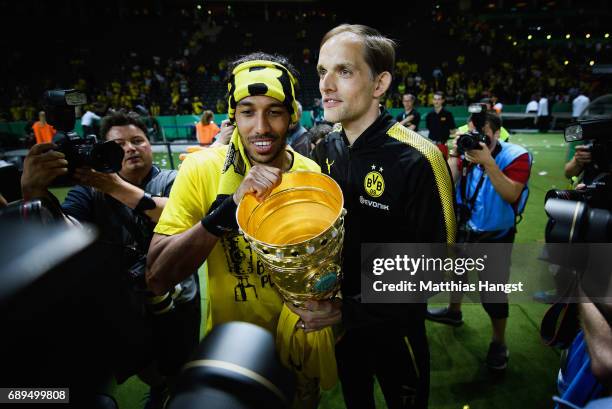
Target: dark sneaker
<point x="445" y="316"/>
<point x="546" y="297"/>
<point x="497" y="357"/>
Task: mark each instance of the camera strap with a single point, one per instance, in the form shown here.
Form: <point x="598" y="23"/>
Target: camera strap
<point x="469" y="203"/>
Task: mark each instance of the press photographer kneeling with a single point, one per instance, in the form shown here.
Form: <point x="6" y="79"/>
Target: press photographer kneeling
<point x="491" y="190"/>
<point x="124" y="207"/>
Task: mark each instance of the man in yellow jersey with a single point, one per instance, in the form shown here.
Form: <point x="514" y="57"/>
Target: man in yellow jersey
<point x="199" y="224"/>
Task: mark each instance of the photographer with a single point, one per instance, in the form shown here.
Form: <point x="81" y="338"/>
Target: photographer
<point x="124" y="207"/>
<point x="586" y="372"/>
<point x="491" y="189"/>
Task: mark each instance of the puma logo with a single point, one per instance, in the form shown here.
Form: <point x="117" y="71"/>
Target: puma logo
<point x="329" y="165"/>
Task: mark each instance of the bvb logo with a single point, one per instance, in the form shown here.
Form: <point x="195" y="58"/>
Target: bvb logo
<point x="374" y="184"/>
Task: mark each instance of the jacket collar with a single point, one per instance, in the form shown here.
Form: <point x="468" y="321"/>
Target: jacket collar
<point x="375" y="134"/>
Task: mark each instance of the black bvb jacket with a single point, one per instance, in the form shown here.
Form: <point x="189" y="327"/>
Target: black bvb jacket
<point x="397" y="189"/>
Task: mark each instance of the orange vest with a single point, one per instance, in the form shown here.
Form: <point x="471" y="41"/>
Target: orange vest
<point x="206" y="133"/>
<point x="43" y="133"/>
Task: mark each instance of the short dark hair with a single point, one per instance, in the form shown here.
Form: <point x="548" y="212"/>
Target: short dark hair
<point x="494" y="121"/>
<point x="439" y="93"/>
<point x="260" y="55"/>
<point x="412" y="97"/>
<point x="379" y="51"/>
<point x="318" y="132"/>
<point x="121" y="118"/>
<point x="206" y="117"/>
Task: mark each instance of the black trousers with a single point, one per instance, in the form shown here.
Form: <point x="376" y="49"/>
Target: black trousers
<point x="398" y="357"/>
<point x="497" y="309"/>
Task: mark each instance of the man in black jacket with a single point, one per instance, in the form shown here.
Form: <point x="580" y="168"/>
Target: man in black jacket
<point x="397" y="188"/>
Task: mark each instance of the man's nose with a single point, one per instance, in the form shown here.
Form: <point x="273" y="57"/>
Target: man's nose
<point x="262" y="125"/>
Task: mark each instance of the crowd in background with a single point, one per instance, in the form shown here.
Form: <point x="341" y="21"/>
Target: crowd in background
<point x="475" y="59"/>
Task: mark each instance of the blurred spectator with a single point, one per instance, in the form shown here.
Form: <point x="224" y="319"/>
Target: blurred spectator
<point x="221" y="106"/>
<point x="410" y="118"/>
<point x="579" y="104"/>
<point x="532" y="106"/>
<point x="43" y="131"/>
<point x="206" y="129"/>
<point x="441" y="123"/>
<point x="90" y="121"/>
<point x="543" y="114"/>
<point x="496" y="105"/>
<point x="317" y="112"/>
<point x="297" y="137"/>
<point x="197" y="105"/>
<point x="317" y="133"/>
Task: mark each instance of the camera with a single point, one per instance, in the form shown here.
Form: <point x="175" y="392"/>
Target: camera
<point x="584" y="216"/>
<point x="471" y="140"/>
<point x="227" y="371"/>
<point x="54" y="296"/>
<point x="105" y="157"/>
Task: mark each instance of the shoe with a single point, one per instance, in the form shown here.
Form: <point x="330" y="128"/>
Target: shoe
<point x="497" y="357"/>
<point x="546" y="297"/>
<point x="445" y="316"/>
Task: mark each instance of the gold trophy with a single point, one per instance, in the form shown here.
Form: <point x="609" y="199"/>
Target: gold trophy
<point x="297" y="232"/>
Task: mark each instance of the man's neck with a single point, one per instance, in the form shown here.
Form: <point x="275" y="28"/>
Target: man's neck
<point x="438" y="109"/>
<point x="355" y="128"/>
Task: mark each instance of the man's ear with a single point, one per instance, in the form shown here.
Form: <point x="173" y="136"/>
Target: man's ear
<point x="383" y="82"/>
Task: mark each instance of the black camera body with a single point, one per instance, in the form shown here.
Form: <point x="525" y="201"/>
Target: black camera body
<point x="106" y="157"/>
<point x="585" y="215"/>
<point x="471" y="140"/>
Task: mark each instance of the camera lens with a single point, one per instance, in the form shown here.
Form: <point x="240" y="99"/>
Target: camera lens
<point x="106" y="157"/>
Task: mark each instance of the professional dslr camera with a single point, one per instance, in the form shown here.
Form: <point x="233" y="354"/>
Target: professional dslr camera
<point x="585" y="215"/>
<point x="471" y="139"/>
<point x="106" y="157"/>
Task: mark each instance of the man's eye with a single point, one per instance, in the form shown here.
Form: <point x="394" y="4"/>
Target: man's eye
<point x="322" y="73"/>
<point x="245" y="112"/>
<point x="345" y="72"/>
<point x="276" y="113"/>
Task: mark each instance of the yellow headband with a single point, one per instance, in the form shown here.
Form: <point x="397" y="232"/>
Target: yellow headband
<point x="260" y="77"/>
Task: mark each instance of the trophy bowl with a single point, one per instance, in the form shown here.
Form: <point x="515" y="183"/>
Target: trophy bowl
<point x="297" y="233"/>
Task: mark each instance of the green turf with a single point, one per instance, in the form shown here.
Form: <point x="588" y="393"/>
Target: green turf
<point x="458" y="375"/>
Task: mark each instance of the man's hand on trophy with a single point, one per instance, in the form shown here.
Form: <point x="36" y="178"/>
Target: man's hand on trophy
<point x="259" y="181"/>
<point x="317" y="315"/>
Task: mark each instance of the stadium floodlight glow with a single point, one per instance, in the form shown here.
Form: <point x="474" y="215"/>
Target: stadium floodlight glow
<point x="591" y="63"/>
<point x="509" y="37"/>
<point x="514" y="43"/>
<point x="588" y="35"/>
<point x="539" y="28"/>
<point x="548" y="37"/>
<point x="529" y="37"/>
<point x="606" y="35"/>
<point x="199" y="7"/>
<point x="565" y="62"/>
<point x="209" y="12"/>
<point x="567" y="36"/>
